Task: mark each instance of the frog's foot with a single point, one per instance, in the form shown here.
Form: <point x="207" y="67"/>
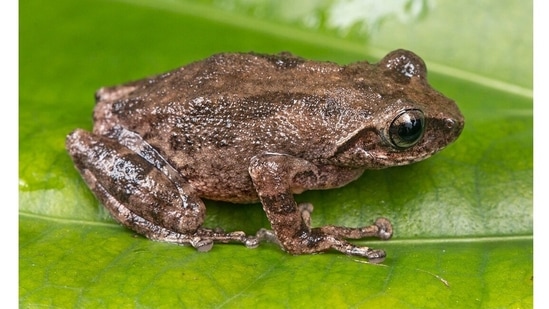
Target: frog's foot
<point x="316" y="240"/>
<point x="381" y="229"/>
<point x="204" y="238"/>
<point x="373" y="255"/>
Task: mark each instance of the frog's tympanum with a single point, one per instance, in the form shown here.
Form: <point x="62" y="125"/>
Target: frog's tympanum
<point x="248" y="127"/>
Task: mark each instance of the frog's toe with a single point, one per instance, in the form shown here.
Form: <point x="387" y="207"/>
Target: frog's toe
<point x="385" y="228"/>
<point x="202" y="245"/>
<point x="376" y="256"/>
<point x="267" y="236"/>
<point x="373" y="255"/>
<point x="251" y="242"/>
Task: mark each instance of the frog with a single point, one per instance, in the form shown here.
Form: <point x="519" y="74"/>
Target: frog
<point x="248" y="127"/>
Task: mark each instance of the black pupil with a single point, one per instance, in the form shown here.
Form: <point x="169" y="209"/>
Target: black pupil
<point x="407" y="128"/>
<point x="410" y="130"/>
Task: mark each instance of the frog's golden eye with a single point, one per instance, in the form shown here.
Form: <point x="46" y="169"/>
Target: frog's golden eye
<point x="407" y="128"/>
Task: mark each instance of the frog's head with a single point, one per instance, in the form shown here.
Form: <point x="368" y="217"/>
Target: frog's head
<point x="410" y="122"/>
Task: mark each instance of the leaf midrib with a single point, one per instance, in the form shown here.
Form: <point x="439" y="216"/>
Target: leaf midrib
<point x="403" y="241"/>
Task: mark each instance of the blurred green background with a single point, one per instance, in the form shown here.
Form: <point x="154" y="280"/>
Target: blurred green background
<point x="463" y="219"/>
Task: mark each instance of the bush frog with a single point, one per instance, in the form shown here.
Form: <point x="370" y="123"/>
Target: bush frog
<point x="247" y="127"/>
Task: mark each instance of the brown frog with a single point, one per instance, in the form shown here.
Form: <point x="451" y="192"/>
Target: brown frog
<point x="248" y="127"/>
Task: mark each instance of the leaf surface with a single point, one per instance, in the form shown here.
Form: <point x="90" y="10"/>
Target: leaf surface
<point x="463" y="219"/>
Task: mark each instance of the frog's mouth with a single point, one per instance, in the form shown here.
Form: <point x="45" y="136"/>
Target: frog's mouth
<point x="383" y="160"/>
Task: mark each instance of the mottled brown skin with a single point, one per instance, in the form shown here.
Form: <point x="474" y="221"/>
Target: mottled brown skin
<point x="248" y="127"/>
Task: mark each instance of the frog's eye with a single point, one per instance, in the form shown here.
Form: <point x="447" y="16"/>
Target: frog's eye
<point x="407" y="128"/>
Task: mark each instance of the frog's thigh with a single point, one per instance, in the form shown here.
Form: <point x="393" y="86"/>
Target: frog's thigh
<point x="136" y="192"/>
<point x="275" y="177"/>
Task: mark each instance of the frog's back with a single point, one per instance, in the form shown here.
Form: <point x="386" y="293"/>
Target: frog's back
<point x="244" y="101"/>
<point x="212" y="116"/>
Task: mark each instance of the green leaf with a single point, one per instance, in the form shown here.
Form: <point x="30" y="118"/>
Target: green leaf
<point x="463" y="219"/>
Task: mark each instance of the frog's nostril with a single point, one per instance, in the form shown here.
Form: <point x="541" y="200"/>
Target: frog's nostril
<point x="453" y="124"/>
<point x="450" y="123"/>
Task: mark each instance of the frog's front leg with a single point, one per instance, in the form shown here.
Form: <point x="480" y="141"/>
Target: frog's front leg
<point x="277" y="177"/>
<point x="142" y="191"/>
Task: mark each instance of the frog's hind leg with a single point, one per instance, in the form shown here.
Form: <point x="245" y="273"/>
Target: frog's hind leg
<point x="142" y="191"/>
<point x="202" y="239"/>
